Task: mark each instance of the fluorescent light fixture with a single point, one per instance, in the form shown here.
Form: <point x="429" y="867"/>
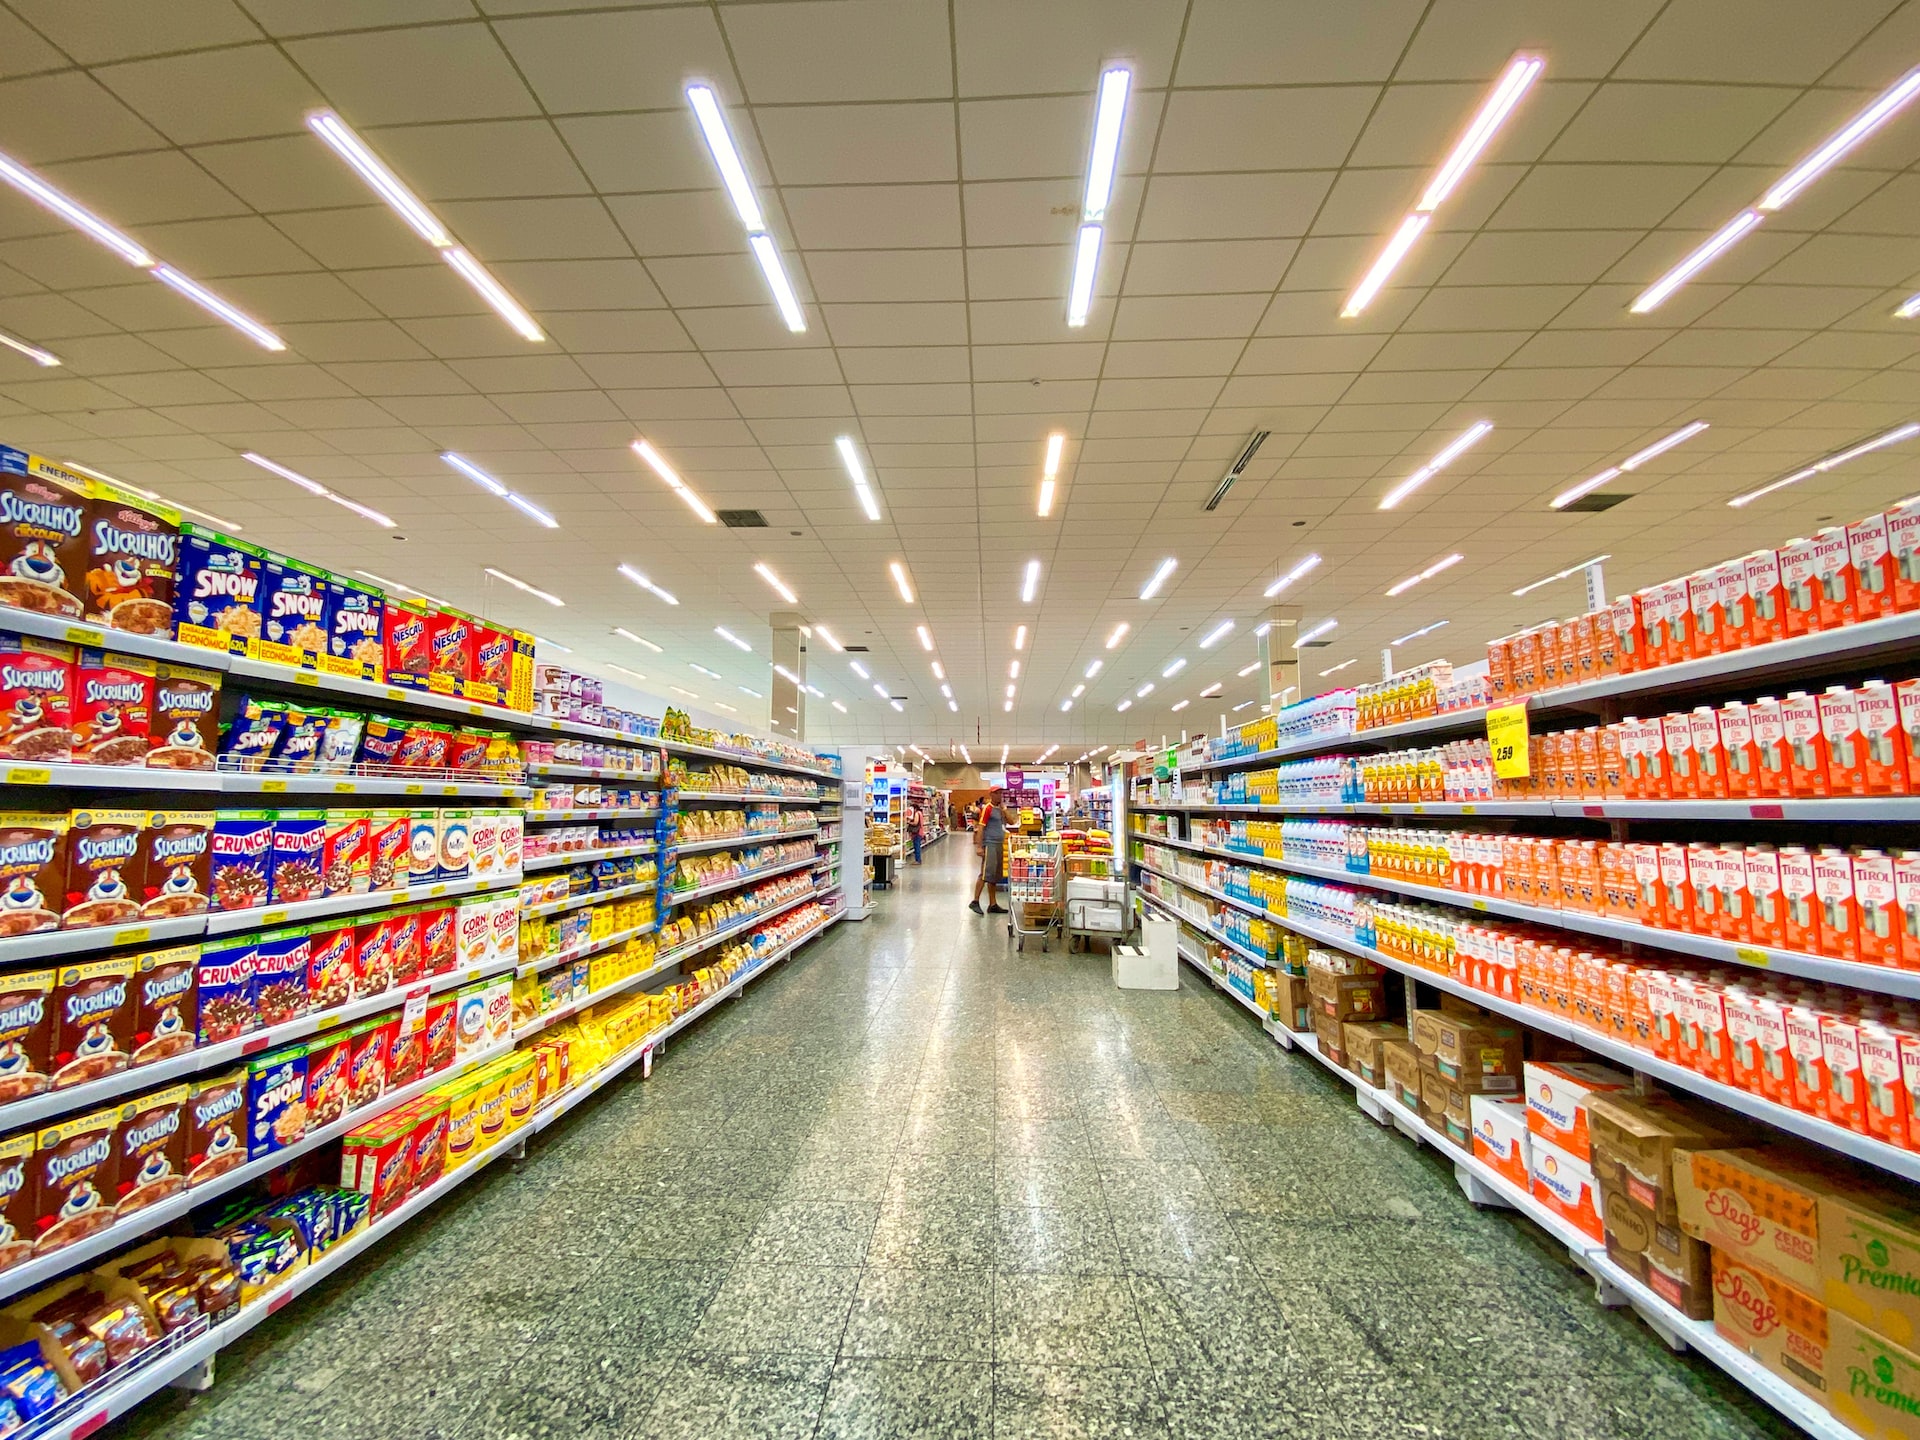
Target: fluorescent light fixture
<point x="679" y="690"/>
<point x="1086" y="260"/>
<point x="1246" y="670"/>
<point x="765" y="572"/>
<point x="1065" y="705"/>
<point x="1046" y="498"/>
<point x="859" y="669"/>
<point x="946" y="691"/>
<point x="1107" y="123"/>
<point x="553" y="645"/>
<point x="1388" y="261"/>
<point x="1079" y="690"/>
<point x="827" y="635"/>
<point x="1557" y="575"/>
<point x="1179" y="664"/>
<point x="1119" y="634"/>
<point x="1336" y="669"/>
<point x="1632" y="462"/>
<point x="1181" y="705"/>
<point x="1214" y="636"/>
<point x="838" y="706"/>
<point x="1513" y="83"/>
<point x="953" y="706"/>
<point x="1013" y="670"/>
<point x="815" y="691"/>
<point x="722" y="705"/>
<point x="1324" y="627"/>
<point x="1031" y="583"/>
<point x="1241" y="706"/>
<point x="1003" y="753"/>
<point x="939" y="671"/>
<point x="1010" y="690"/>
<point x="533" y="511"/>
<point x="491" y="291"/>
<point x="1416" y="634"/>
<point x="348" y="146"/>
<point x="787" y="675"/>
<point x="1909" y="308"/>
<point x="1427" y="574"/>
<point x="710" y="674"/>
<point x="33" y="352"/>
<point x="1820" y="467"/>
<point x="900" y="580"/>
<point x="1019" y="637"/>
<point x="645" y="584"/>
<point x="1213" y="689"/>
<point x="315" y="488"/>
<point x="966" y="755"/>
<point x="627" y="634"/>
<point x="34" y="188"/>
<point x="635" y="674"/>
<point x="726" y="159"/>
<point x="1159" y="578"/>
<point x="1655" y="294"/>
<point x="1260" y="630"/>
<point x="1056" y="442"/>
<point x="519" y="584"/>
<point x="1124" y="705"/>
<point x="493" y="487"/>
<point x="214" y="305"/>
<point x="850" y="457"/>
<point x="1144" y="691"/>
<point x="925" y="635"/>
<point x="1007" y="706"/>
<point x="1304" y="568"/>
<point x="732" y="639"/>
<point x="680" y="487"/>
<point x="746" y="690"/>
<point x="1888" y="104"/>
<point x="398" y="588"/>
<point x="777" y="282"/>
<point x="1460" y="443"/>
<point x="881" y="691"/>
<point x="1095" y="668"/>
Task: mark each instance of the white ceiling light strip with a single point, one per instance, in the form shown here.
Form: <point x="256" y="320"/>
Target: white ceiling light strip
<point x="403" y="202"/>
<point x="1820" y="467"/>
<point x="827" y="635"/>
<point x="1019" y="637"/>
<point x="850" y="457"/>
<point x="1050" y="470"/>
<point x="1336" y="669"/>
<point x="926" y="638"/>
<point x="1214" y="636"/>
<point x="1095" y="668"/>
<point x="901" y="582"/>
<point x="493" y="487"/>
<point x="733" y="174"/>
<point x="1030" y="582"/>
<point x="1909" y="308"/>
<point x="780" y="588"/>
<point x="1427" y="574"/>
<point x="84" y="220"/>
<point x="732" y="639"/>
<point x="626" y="634"/>
<point x="1181" y="705"/>
<point x="1631" y="463"/>
<point x="658" y="464"/>
<point x="1212" y="690"/>
<point x="1830" y="152"/>
<point x="1416" y="634"/>
<point x="533" y="590"/>
<point x="1323" y="628"/>
<point x="34" y="353"/>
<point x="1109" y="118"/>
<point x="1179" y="664"/>
<point x="1558" y="575"/>
<point x="313" y="487"/>
<point x="1158" y="578"/>
<point x="1453" y="450"/>
<point x="1119" y="634"/>
<point x="1298" y="572"/>
<point x="1508" y="90"/>
<point x="645" y="584"/>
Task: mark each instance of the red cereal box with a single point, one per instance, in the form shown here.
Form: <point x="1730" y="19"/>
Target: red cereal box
<point x="1872" y="562"/>
<point x="332" y="967"/>
<point x="450" y="652"/>
<point x="346" y="861"/>
<point x="1799" y="588"/>
<point x="428" y="1141"/>
<point x="36" y="699"/>
<point x="403" y="942"/>
<point x="492" y="671"/>
<point x="373" y="957"/>
<point x="376" y="1159"/>
<point x="372" y="1042"/>
<point x="468" y="750"/>
<point x="389" y="855"/>
<point x="327" y="1060"/>
<point x="439" y="1027"/>
<point x="406" y="1056"/>
<point x="438" y="951"/>
<point x="112" y="708"/>
<point x="408" y="658"/>
<point x="1833" y="572"/>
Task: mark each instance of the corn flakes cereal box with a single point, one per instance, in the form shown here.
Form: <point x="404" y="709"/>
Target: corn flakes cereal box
<point x="217" y="599"/>
<point x="356" y="617"/>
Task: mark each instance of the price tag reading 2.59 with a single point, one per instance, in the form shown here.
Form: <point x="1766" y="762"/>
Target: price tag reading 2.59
<point x="1507" y="738"/>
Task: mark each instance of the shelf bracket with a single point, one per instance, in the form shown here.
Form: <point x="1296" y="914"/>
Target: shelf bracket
<point x="200" y="1377"/>
<point x="1477" y="1190"/>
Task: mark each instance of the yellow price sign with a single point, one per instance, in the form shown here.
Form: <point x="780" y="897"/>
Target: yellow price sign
<point x="29" y="775"/>
<point x="1507" y="736"/>
<point x="273" y="787"/>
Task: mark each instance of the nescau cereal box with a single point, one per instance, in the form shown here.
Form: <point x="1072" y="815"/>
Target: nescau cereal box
<point x="217" y="598"/>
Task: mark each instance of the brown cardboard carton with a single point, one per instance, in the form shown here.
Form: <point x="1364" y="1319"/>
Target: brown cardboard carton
<point x="1758" y="1207"/>
<point x="1346" y="997"/>
<point x="1782" y="1328"/>
<point x="1458" y="1116"/>
<point x="1331" y="1035"/>
<point x="1870" y="1262"/>
<point x="1424" y="1028"/>
<point x="1873" y="1384"/>
<point x="1433" y="1101"/>
<point x="1289" y="998"/>
<point x="1402" y="1064"/>
<point x="1366" y="1041"/>
<point x="1468" y="1049"/>
<point x="1674" y="1265"/>
<point x="1634" y="1138"/>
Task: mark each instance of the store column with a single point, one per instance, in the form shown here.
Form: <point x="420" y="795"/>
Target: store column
<point x="788" y="708"/>
<point x="1279" y="661"/>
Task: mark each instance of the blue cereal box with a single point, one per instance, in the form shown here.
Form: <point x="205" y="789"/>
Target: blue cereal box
<point x="217" y="598"/>
<point x="225" y="983"/>
<point x="280" y="964"/>
<point x="355" y="644"/>
<point x="276" y="1100"/>
<point x="299" y="836"/>
<point x="293" y="614"/>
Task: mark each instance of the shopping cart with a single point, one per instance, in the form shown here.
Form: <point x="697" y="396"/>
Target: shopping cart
<point x="1034" y="867"/>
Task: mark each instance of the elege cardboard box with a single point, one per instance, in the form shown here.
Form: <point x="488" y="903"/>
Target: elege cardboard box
<point x="1781" y="1327"/>
<point x="1757" y="1207"/>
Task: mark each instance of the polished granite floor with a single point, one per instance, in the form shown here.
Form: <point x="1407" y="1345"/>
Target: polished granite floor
<point x="916" y="1184"/>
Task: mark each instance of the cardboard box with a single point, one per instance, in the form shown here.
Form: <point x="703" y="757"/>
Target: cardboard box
<point x="1458" y="1116"/>
<point x="1366" y="1042"/>
<point x="1557" y="1094"/>
<point x="1433" y="1101"/>
<point x="1481" y="1055"/>
<point x="1758" y="1207"/>
<point x="1870" y="1261"/>
<point x="1346" y="997"/>
<point x="1564" y="1183"/>
<point x="1784" y="1329"/>
<point x="1634" y="1138"/>
<point x="1670" y="1262"/>
<point x="1330" y="1033"/>
<point x="1288" y="998"/>
<point x="1402" y="1063"/>
<point x="1873" y="1384"/>
<point x="1500" y="1137"/>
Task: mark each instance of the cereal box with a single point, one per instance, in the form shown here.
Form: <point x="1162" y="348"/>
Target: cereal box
<point x="36" y="699"/>
<point x="408" y="658"/>
<point x="332" y="968"/>
<point x="242" y="857"/>
<point x="423" y="847"/>
<point x="439" y="947"/>
<point x="470" y="1021"/>
<point x="93" y="1021"/>
<point x="225" y="985"/>
<point x="406" y="1056"/>
<point x="112" y="708"/>
<point x="76" y="1178"/>
<point x="438" y="1030"/>
<point x="389" y="859"/>
<point x="216" y="1126"/>
<point x="16" y="1200"/>
<point x="373" y="956"/>
<point x="175" y="865"/>
<point x="491" y="679"/>
<point x="403" y="941"/>
<point x="504" y="945"/>
<point x="299" y="843"/>
<point x="326" y="1097"/>
<point x="376" y="1158"/>
<point x="217" y="598"/>
<point x="166" y="1011"/>
<point x="429" y="1142"/>
<point x="369" y="1041"/>
<point x="345" y="858"/>
<point x="455" y="861"/>
<point x="103" y="885"/>
<point x="133" y="555"/>
<point x="293" y="606"/>
<point x="450" y="637"/>
<point x="281" y="962"/>
<point x="183" y="727"/>
<point x="43" y="546"/>
<point x="355" y="617"/>
<point x="153" y="1150"/>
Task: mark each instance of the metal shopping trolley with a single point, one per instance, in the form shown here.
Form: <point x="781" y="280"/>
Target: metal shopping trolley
<point x="1034" y="889"/>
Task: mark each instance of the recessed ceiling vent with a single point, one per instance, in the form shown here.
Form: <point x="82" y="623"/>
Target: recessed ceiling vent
<point x="1313" y="644"/>
<point x="1593" y="504"/>
<point x="1258" y="438"/>
<point x="742" y="519"/>
<point x="856" y="649"/>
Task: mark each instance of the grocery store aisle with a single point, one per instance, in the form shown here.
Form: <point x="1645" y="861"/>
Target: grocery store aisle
<point x="914" y="1184"/>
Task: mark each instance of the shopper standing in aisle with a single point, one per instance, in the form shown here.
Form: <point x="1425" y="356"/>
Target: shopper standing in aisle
<point x="916" y="822"/>
<point x="990" y="840"/>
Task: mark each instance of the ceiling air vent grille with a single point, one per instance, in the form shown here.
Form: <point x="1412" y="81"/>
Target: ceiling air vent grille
<point x="742" y="519"/>
<point x="1313" y="644"/>
<point x="1593" y="504"/>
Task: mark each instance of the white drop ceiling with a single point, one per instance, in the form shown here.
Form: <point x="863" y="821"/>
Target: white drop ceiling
<point x="921" y="164"/>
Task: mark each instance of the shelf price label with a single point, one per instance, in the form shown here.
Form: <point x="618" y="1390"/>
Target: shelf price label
<point x="1507" y="737"/>
<point x="29" y="775"/>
